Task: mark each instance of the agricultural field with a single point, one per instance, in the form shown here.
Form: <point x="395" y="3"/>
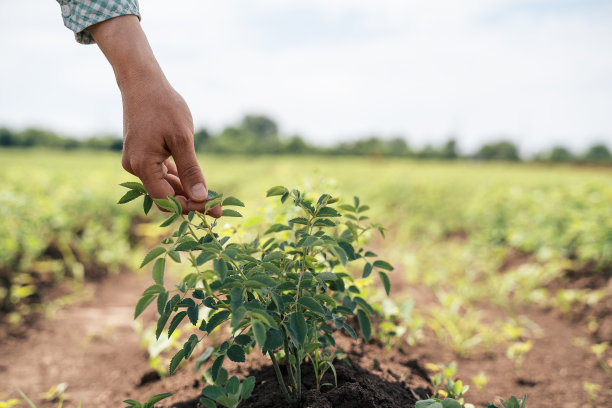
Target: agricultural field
<point x="501" y="275"/>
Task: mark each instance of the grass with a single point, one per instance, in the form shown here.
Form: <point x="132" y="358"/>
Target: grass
<point x="452" y="225"/>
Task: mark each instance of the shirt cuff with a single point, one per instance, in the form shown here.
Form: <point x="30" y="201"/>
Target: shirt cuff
<point x="80" y="14"/>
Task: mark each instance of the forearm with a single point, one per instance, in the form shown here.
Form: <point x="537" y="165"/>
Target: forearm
<point x="125" y="45"/>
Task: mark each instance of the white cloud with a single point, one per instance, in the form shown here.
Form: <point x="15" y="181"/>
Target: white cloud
<point x="535" y="71"/>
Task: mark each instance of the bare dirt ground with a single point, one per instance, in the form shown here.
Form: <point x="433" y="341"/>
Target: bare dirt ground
<point x="93" y="347"/>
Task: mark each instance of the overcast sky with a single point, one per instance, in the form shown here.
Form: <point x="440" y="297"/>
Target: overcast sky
<point x="537" y="72"/>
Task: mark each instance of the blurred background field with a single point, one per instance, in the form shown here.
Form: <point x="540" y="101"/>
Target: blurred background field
<point x="480" y="249"/>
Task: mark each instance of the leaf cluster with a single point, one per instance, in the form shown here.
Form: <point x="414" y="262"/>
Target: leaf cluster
<point x="285" y="292"/>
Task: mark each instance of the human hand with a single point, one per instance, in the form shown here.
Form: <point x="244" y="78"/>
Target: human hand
<point x="157" y="123"/>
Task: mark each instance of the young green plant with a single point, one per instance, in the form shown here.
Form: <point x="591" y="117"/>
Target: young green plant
<point x="285" y="291"/>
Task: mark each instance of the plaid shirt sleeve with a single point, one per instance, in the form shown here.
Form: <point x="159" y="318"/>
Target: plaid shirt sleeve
<point x="80" y="14"/>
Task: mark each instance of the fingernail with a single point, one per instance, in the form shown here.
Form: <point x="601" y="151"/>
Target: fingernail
<point x="198" y="192"/>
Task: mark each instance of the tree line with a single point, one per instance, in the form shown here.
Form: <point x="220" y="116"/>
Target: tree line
<point x="258" y="134"/>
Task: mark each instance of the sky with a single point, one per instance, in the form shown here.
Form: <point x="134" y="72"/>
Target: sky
<point x="537" y="72"/>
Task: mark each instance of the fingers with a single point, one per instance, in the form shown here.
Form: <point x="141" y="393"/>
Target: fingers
<point x="189" y="171"/>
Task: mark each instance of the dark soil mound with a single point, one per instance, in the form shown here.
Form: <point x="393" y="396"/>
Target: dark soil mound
<point x="357" y="387"/>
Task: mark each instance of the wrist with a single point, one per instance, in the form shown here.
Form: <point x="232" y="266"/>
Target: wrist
<point x="125" y="45"/>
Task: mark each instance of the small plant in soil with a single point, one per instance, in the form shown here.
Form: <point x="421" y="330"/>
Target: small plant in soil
<point x="285" y="292"/>
<point x="513" y="402"/>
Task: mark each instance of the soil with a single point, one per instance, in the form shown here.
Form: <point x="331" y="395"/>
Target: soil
<point x="93" y="347"/>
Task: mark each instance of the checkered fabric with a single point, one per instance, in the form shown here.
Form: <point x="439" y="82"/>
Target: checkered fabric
<point x="80" y="14"/>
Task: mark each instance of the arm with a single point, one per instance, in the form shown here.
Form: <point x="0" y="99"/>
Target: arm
<point x="157" y="123"/>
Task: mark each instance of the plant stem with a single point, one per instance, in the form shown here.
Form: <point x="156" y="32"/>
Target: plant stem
<point x="298" y="369"/>
<point x="290" y="367"/>
<point x="279" y="376"/>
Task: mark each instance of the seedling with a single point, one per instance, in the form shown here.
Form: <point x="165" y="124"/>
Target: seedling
<point x="513" y="402"/>
<point x="150" y="402"/>
<point x="438" y="403"/>
<point x="592" y="390"/>
<point x="286" y="291"/>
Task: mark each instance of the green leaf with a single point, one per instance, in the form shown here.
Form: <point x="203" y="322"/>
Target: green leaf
<point x="274" y="339"/>
<point x="385" y="281"/>
<point x="232" y="201"/>
<point x="208" y="403"/>
<point x="297" y="327"/>
<point x="247" y="387"/>
<point x="174" y="256"/>
<point x="227" y="401"/>
<point x="233" y="385"/>
<point x="187" y="245"/>
<point x="364" y="325"/>
<point x="134" y="185"/>
<point x="383" y="265"/>
<point x="154" y="253"/>
<point x="311" y="304"/>
<point x="178" y="357"/>
<point x="299" y="220"/>
<point x="367" y="270"/>
<point x="340" y="254"/>
<point x="175" y="322"/>
<point x="156" y="398"/>
<point x="178" y="209"/>
<point x="237" y="316"/>
<point x="216" y="320"/>
<point x="327" y="212"/>
<point x="325" y="298"/>
<point x="153" y="290"/>
<point x="165" y="204"/>
<point x="129" y="196"/>
<point x="260" y="332"/>
<point x="327" y="276"/>
<point x="205" y="356"/>
<point x="192" y="314"/>
<point x="230" y="213"/>
<point x="276" y="191"/>
<point x="242" y="339"/>
<point x="142" y="304"/>
<point x="220" y="267"/>
<point x="158" y="270"/>
<point x="161" y="301"/>
<point x="450" y="403"/>
<point x="169" y="220"/>
<point x="213" y="391"/>
<point x="350" y="330"/>
<point x="365" y="305"/>
<point x="216" y="367"/>
<point x="236" y="354"/>
<point x="161" y="322"/>
<point x="147" y="204"/>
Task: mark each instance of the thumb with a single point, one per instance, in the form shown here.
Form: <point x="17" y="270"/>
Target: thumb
<point x="190" y="174"/>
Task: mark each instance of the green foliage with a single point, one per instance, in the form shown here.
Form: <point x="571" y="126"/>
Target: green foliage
<point x="150" y="403"/>
<point x="513" y="402"/>
<point x="503" y="150"/>
<point x="437" y="403"/>
<point x="286" y="291"/>
<point x="57" y="226"/>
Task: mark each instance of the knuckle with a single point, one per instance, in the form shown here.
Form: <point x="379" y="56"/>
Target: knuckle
<point x="191" y="171"/>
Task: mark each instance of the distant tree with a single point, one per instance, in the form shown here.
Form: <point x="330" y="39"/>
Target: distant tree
<point x="262" y="126"/>
<point x="503" y="150"/>
<point x="398" y="147"/>
<point x="598" y="153"/>
<point x="7" y="138"/>
<point x="201" y="138"/>
<point x="560" y="154"/>
<point x="296" y="145"/>
<point x="449" y="150"/>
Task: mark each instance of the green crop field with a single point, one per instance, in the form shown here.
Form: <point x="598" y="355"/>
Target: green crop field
<point x="475" y="246"/>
